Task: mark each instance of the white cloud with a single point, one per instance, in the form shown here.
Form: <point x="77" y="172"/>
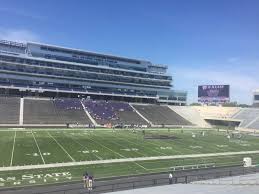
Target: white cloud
<point x="18" y="35"/>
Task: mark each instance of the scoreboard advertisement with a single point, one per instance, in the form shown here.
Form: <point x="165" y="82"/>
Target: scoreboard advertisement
<point x="213" y="93"/>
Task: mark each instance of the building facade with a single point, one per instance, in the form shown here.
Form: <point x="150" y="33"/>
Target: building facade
<point x="53" y="71"/>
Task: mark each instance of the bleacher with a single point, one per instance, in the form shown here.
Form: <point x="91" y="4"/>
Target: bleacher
<point x="58" y="111"/>
<point x="216" y="111"/>
<point x="9" y="110"/>
<point x="255" y="124"/>
<point x="161" y="115"/>
<point x="190" y="114"/>
<point x="62" y="111"/>
<point x="37" y="111"/>
<point x="130" y="117"/>
<point x="247" y="116"/>
<point x="110" y="112"/>
<point x="71" y="111"/>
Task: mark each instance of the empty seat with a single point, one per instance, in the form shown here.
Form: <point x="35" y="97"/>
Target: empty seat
<point x="71" y="111"/>
<point x="216" y="111"/>
<point x="9" y="110"/>
<point x="255" y="124"/>
<point x="37" y="111"/>
<point x="190" y="114"/>
<point x="130" y="118"/>
<point x="160" y="115"/>
<point x="247" y="116"/>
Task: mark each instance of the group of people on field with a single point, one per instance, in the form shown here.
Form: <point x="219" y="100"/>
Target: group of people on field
<point x="88" y="181"/>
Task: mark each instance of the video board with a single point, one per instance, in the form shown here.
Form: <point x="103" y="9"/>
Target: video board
<point x="213" y="93"/>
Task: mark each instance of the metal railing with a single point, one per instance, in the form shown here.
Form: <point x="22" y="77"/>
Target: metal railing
<point x="199" y="177"/>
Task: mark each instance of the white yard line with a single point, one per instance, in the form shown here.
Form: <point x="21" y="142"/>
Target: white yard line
<point x="11" y="162"/>
<point x="167" y="144"/>
<point x="185" y="148"/>
<point x="120" y="145"/>
<point x="140" y="146"/>
<point x="84" y="147"/>
<point x="141" y="166"/>
<point x="62" y="147"/>
<point x="38" y="147"/>
<point x="134" y="151"/>
<point x="159" y="145"/>
<point x="153" y="150"/>
<point x="122" y="160"/>
<point x="107" y="148"/>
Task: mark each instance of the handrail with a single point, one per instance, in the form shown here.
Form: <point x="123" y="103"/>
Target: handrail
<point x="150" y="182"/>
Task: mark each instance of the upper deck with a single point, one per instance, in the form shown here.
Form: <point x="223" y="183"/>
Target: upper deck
<point x="97" y="59"/>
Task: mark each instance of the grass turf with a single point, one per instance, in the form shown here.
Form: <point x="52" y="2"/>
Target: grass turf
<point x="30" y="147"/>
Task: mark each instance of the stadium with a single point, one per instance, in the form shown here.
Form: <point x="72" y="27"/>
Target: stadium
<point x="64" y="111"/>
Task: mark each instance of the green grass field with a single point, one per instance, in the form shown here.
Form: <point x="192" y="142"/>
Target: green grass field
<point x="39" y="147"/>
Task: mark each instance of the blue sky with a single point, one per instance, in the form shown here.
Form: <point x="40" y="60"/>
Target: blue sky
<point x="202" y="41"/>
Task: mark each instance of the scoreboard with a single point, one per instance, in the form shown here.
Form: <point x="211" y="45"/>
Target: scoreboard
<point x="213" y="93"/>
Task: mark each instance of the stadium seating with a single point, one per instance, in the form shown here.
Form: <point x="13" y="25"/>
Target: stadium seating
<point x="71" y="111"/>
<point x="216" y="111"/>
<point x="58" y="111"/>
<point x="39" y="111"/>
<point x="255" y="124"/>
<point x="191" y="114"/>
<point x="105" y="112"/>
<point x="9" y="110"/>
<point x="62" y="111"/>
<point x="159" y="115"/>
<point x="130" y="118"/>
<point x="248" y="117"/>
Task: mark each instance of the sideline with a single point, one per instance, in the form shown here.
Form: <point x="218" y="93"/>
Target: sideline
<point x="11" y="162"/>
<point x="55" y="165"/>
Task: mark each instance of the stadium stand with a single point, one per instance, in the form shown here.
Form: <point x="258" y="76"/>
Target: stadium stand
<point x="130" y="117"/>
<point x="159" y="115"/>
<point x="39" y="111"/>
<point x="248" y="117"/>
<point x="216" y="111"/>
<point x="190" y="114"/>
<point x="71" y="111"/>
<point x="58" y="111"/>
<point x="9" y="110"/>
<point x="255" y="124"/>
<point x="105" y="112"/>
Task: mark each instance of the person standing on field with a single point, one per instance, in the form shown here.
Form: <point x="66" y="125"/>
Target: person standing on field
<point x="85" y="179"/>
<point x="90" y="183"/>
<point x="170" y="178"/>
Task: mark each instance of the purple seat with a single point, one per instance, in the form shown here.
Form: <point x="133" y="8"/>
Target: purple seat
<point x="68" y="104"/>
<point x="106" y="111"/>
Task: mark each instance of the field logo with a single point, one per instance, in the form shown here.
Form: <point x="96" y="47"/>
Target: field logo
<point x="34" y="178"/>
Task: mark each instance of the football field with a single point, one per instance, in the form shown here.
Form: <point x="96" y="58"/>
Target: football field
<point x="45" y="156"/>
